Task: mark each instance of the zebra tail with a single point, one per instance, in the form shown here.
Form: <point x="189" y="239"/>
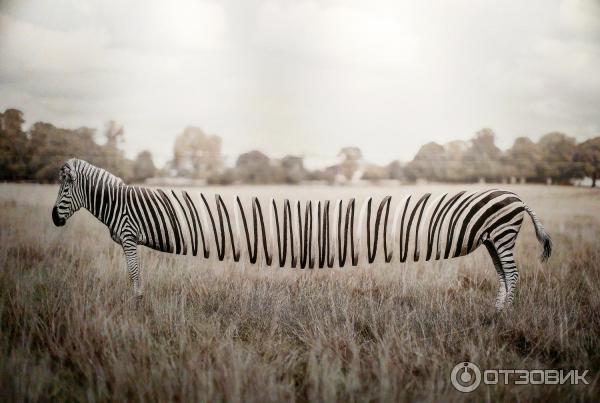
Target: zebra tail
<point x="541" y="234"/>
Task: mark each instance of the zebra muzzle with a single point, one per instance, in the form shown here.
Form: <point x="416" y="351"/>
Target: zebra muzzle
<point x="58" y="221"/>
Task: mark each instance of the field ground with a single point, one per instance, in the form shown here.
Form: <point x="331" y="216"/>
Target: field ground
<point x="211" y="331"/>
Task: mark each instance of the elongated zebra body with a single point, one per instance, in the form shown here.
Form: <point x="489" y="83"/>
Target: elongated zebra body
<point x="300" y="234"/>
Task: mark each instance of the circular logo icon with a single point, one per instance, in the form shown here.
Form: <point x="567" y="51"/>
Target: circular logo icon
<point x="465" y="377"/>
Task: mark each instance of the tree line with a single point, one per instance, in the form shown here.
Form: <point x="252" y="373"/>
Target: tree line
<point x="36" y="155"/>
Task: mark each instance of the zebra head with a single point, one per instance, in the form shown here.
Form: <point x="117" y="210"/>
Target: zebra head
<point x="70" y="193"/>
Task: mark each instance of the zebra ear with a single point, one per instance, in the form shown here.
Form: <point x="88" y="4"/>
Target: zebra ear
<point x="62" y="174"/>
<point x="68" y="172"/>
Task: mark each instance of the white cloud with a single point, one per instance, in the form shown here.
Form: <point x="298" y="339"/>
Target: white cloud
<point x="338" y="33"/>
<point x="30" y="49"/>
<point x="167" y="26"/>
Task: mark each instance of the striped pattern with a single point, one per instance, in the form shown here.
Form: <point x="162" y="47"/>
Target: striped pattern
<point x="304" y="235"/>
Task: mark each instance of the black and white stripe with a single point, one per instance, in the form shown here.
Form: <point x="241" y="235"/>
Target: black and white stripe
<point x="304" y="235"/>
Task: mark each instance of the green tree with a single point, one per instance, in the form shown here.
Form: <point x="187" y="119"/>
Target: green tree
<point x="13" y="146"/>
<point x="49" y="147"/>
<point x="292" y="169"/>
<point x="226" y="177"/>
<point x="557" y="151"/>
<point x="455" y="167"/>
<point x="482" y="158"/>
<point x="429" y="163"/>
<point x="396" y="170"/>
<point x="587" y="156"/>
<point x="254" y="167"/>
<point x="524" y="159"/>
<point x="375" y="173"/>
<point x="143" y="166"/>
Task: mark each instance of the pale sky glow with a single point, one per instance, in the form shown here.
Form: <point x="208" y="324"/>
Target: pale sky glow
<point x="305" y="77"/>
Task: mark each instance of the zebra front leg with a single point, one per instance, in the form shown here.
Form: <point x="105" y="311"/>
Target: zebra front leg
<point x="130" y="249"/>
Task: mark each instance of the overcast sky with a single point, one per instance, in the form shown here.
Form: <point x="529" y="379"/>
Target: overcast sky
<point x="305" y="77"/>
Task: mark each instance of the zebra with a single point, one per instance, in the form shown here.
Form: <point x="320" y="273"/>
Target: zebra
<point x="449" y="226"/>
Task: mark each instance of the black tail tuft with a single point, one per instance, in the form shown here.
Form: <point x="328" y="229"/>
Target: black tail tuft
<point x="547" y="241"/>
<point x="541" y="234"/>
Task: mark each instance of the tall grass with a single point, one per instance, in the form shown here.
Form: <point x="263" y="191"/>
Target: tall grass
<point x="211" y="331"/>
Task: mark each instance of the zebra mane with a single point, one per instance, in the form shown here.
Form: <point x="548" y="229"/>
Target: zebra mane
<point x="85" y="168"/>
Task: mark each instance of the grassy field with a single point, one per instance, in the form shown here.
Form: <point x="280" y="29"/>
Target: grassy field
<point x="211" y="331"/>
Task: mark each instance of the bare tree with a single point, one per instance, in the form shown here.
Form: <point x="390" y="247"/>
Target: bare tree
<point x="351" y="162"/>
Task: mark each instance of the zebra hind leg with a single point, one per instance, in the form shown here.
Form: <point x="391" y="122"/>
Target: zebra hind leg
<point x="503" y="246"/>
<point x="511" y="273"/>
<point x="502" y="289"/>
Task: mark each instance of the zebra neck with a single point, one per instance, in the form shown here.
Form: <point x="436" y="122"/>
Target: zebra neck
<point x="104" y="200"/>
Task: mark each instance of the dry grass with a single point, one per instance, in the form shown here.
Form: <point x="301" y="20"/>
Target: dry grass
<point x="210" y="331"/>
